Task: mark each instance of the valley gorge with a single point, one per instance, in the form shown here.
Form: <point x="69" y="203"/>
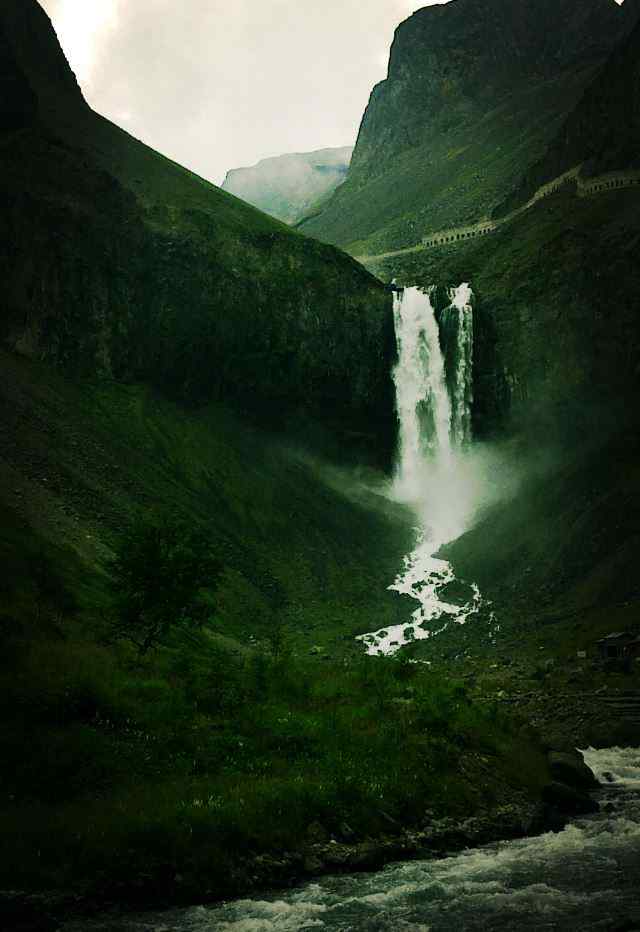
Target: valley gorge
<point x="399" y="476"/>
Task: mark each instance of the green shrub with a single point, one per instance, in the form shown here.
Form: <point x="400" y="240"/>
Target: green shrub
<point x="163" y="578"/>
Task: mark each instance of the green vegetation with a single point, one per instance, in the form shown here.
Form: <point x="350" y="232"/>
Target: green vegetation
<point x="294" y="537"/>
<point x="164" y="577"/>
<point x="168" y="775"/>
<point x="164" y="775"/>
<point x="459" y="175"/>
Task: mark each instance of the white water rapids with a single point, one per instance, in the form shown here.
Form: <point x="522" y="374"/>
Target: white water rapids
<point x="582" y="879"/>
<point x="432" y="477"/>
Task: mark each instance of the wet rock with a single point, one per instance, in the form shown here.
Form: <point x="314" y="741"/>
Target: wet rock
<point x="569" y="767"/>
<point x="312" y="864"/>
<point x="568" y="800"/>
<point x="23" y="912"/>
<point x="366" y="856"/>
<point x="346" y="832"/>
<point x="317" y="834"/>
<point x="456" y="592"/>
<point x="337" y="856"/>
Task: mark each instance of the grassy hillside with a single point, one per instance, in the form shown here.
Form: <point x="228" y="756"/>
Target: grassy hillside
<point x="82" y="460"/>
<point x="603" y="132"/>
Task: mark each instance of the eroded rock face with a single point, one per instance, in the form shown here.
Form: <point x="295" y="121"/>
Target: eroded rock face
<point x="568" y="767"/>
<point x="18" y="102"/>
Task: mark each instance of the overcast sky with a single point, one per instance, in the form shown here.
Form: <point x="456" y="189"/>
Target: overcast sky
<point x="219" y="85"/>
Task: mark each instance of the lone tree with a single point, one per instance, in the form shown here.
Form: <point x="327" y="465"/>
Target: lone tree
<point x="164" y="577"/>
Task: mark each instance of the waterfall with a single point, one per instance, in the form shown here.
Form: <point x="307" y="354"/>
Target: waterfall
<point x="434" y="395"/>
<point x="458" y="320"/>
<point x="424" y="409"/>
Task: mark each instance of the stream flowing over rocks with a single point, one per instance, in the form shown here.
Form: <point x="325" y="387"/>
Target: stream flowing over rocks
<point x="584" y="877"/>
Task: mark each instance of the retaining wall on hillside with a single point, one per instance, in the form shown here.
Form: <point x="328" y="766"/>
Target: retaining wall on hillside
<point x="584" y="187"/>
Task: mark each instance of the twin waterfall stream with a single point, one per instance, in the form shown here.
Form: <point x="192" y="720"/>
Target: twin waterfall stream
<point x="434" y="394"/>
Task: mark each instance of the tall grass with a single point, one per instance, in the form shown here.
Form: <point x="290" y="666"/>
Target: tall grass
<point x="121" y="772"/>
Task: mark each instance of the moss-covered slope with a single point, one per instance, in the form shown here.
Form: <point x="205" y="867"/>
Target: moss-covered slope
<point x="117" y="261"/>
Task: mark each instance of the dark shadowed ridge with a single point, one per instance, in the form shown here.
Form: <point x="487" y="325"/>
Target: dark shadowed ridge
<point x="603" y="132"/>
<point x="117" y="261"/>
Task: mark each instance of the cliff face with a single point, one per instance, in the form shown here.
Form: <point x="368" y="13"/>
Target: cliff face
<point x="475" y="92"/>
<point x="118" y="262"/>
<point x="289" y="186"/>
<point x="450" y="62"/>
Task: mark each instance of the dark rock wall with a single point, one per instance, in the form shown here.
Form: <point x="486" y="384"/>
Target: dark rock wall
<point x="603" y="132"/>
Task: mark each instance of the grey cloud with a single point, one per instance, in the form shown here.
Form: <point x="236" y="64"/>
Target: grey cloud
<point x="220" y="85"/>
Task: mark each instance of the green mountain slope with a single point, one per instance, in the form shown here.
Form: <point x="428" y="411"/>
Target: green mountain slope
<point x="116" y="260"/>
<point x="475" y="93"/>
<point x="166" y="352"/>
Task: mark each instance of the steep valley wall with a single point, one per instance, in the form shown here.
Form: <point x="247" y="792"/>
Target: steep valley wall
<point x="116" y="262"/>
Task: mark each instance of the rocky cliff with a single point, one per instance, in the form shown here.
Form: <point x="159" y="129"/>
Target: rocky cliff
<point x="116" y="261"/>
<point x="475" y="92"/>
<point x="289" y="186"/>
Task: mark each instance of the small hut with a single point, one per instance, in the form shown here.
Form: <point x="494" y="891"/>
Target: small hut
<point x="619" y="645"/>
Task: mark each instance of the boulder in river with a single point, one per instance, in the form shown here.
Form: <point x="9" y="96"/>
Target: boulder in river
<point x="568" y="767"/>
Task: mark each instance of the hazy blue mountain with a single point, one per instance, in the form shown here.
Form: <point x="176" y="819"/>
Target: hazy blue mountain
<point x="289" y="186"/>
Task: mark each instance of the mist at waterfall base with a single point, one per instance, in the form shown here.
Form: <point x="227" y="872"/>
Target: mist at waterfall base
<point x="445" y="478"/>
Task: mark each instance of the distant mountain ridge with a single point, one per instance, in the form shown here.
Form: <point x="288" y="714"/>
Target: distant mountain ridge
<point x="289" y="186"/>
<point x="476" y="91"/>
